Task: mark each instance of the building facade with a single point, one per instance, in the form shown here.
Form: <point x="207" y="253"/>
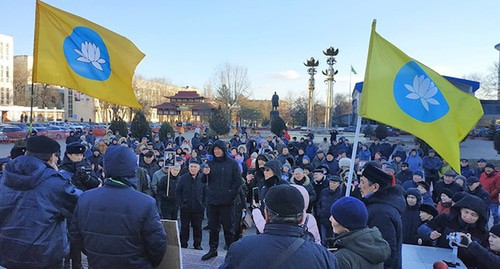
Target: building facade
<point x="6" y="70"/>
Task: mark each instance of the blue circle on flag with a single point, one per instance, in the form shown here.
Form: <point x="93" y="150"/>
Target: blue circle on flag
<point x="87" y="54"/>
<point x="417" y="94"/>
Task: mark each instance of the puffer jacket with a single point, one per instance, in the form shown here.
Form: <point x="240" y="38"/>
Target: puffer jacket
<point x="259" y="251"/>
<point x="224" y="179"/>
<point x="118" y="227"/>
<point x="384" y="212"/>
<point x="36" y="198"/>
<point x="364" y="248"/>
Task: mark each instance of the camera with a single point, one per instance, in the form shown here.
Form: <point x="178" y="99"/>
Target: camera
<point x="460" y="239"/>
<point x="255" y="192"/>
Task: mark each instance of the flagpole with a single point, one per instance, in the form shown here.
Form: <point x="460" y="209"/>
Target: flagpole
<point x="354" y="150"/>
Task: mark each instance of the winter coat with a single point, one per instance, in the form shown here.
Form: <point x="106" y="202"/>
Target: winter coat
<point x="317" y="162"/>
<point x="118" y="227"/>
<point x="35" y="203"/>
<point x="327" y="198"/>
<point x="81" y="173"/>
<point x="491" y="184"/>
<point x="311" y="150"/>
<point x="438" y="186"/>
<point x="449" y="223"/>
<point x="333" y="166"/>
<point x="364" y="248"/>
<point x="481" y="193"/>
<point x="306" y="183"/>
<point x="168" y="200"/>
<point x="150" y="168"/>
<point x="364" y="155"/>
<point x="190" y="193"/>
<point x="414" y="162"/>
<point x="431" y="167"/>
<point x="487" y="258"/>
<point x="411" y="218"/>
<point x="404" y="175"/>
<point x="260" y="251"/>
<point x="466" y="171"/>
<point x="384" y="212"/>
<point x="224" y="179"/>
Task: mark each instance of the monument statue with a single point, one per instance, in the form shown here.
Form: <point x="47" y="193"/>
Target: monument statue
<point x="275" y="100"/>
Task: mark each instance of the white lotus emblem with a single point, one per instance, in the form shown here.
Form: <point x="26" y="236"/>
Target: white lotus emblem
<point x="424" y="89"/>
<point x="90" y="53"/>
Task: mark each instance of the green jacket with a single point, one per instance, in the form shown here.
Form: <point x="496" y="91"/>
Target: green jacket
<point x="363" y="249"/>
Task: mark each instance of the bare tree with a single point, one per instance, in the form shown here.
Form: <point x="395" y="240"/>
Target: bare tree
<point x="489" y="82"/>
<point x="21" y="87"/>
<point x="231" y="83"/>
<point x="342" y="105"/>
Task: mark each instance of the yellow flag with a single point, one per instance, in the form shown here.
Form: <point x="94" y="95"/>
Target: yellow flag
<point x="76" y="53"/>
<point x="401" y="92"/>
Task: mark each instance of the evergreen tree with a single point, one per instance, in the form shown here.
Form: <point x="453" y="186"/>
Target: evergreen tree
<point x="381" y="131"/>
<point x="368" y="130"/>
<point x="166" y="128"/>
<point x="139" y="127"/>
<point x="496" y="142"/>
<point x="278" y="126"/>
<point x="119" y="125"/>
<point x="219" y="122"/>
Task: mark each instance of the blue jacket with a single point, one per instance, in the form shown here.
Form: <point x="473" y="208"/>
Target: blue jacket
<point x="259" y="251"/>
<point x="35" y="201"/>
<point x="118" y="227"/>
<point x="384" y="212"/>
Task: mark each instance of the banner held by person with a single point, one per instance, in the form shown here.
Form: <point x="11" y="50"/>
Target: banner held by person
<point x="78" y="54"/>
<point x="402" y="92"/>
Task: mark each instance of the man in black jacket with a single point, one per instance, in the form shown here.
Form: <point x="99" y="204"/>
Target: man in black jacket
<point x="385" y="204"/>
<point x="190" y="195"/>
<point x="283" y="243"/>
<point x="223" y="179"/>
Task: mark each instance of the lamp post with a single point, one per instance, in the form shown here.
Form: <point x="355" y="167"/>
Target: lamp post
<point x="311" y="70"/>
<point x="329" y="73"/>
<point x="497" y="47"/>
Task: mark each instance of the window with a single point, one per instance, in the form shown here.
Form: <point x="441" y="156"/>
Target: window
<point x="1" y="50"/>
<point x="7" y="76"/>
<point x="1" y="73"/>
<point x="7" y="51"/>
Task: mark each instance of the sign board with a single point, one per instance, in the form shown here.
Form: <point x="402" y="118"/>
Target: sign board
<point x="172" y="258"/>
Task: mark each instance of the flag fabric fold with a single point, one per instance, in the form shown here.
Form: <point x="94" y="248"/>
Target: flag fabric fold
<point x="353" y="71"/>
<point x="78" y="54"/>
<point x="403" y="93"/>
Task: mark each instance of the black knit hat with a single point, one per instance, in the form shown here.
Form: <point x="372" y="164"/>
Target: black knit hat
<point x="447" y="192"/>
<point x="75" y="148"/>
<point x="375" y="175"/>
<point x="17" y="151"/>
<point x="284" y="200"/>
<point x="429" y="209"/>
<point x="42" y="144"/>
<point x="495" y="229"/>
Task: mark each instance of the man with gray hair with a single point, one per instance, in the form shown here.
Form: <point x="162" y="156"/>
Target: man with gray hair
<point x="283" y="243"/>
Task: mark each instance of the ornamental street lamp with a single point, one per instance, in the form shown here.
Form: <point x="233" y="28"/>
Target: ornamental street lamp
<point x="497" y="47"/>
<point x="311" y="64"/>
<point x="329" y="73"/>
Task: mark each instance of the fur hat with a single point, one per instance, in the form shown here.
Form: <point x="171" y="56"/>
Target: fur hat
<point x="345" y="162"/>
<point x="284" y="200"/>
<point x="42" y="144"/>
<point x="429" y="209"/>
<point x="119" y="162"/>
<point x="350" y="213"/>
<point x="17" y="151"/>
<point x="75" y="148"/>
<point x="447" y="192"/>
<point x="495" y="229"/>
<point x="375" y="175"/>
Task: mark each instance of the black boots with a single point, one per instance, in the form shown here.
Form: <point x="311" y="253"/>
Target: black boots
<point x="211" y="254"/>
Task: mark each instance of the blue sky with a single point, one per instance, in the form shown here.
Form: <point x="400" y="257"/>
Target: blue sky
<point x="184" y="41"/>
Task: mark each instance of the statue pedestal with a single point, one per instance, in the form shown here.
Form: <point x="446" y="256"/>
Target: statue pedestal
<point x="274" y="114"/>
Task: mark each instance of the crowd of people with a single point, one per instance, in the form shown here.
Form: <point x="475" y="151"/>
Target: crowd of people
<point x="111" y="192"/>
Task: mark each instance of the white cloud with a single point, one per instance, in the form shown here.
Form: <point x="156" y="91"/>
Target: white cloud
<point x="286" y="75"/>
